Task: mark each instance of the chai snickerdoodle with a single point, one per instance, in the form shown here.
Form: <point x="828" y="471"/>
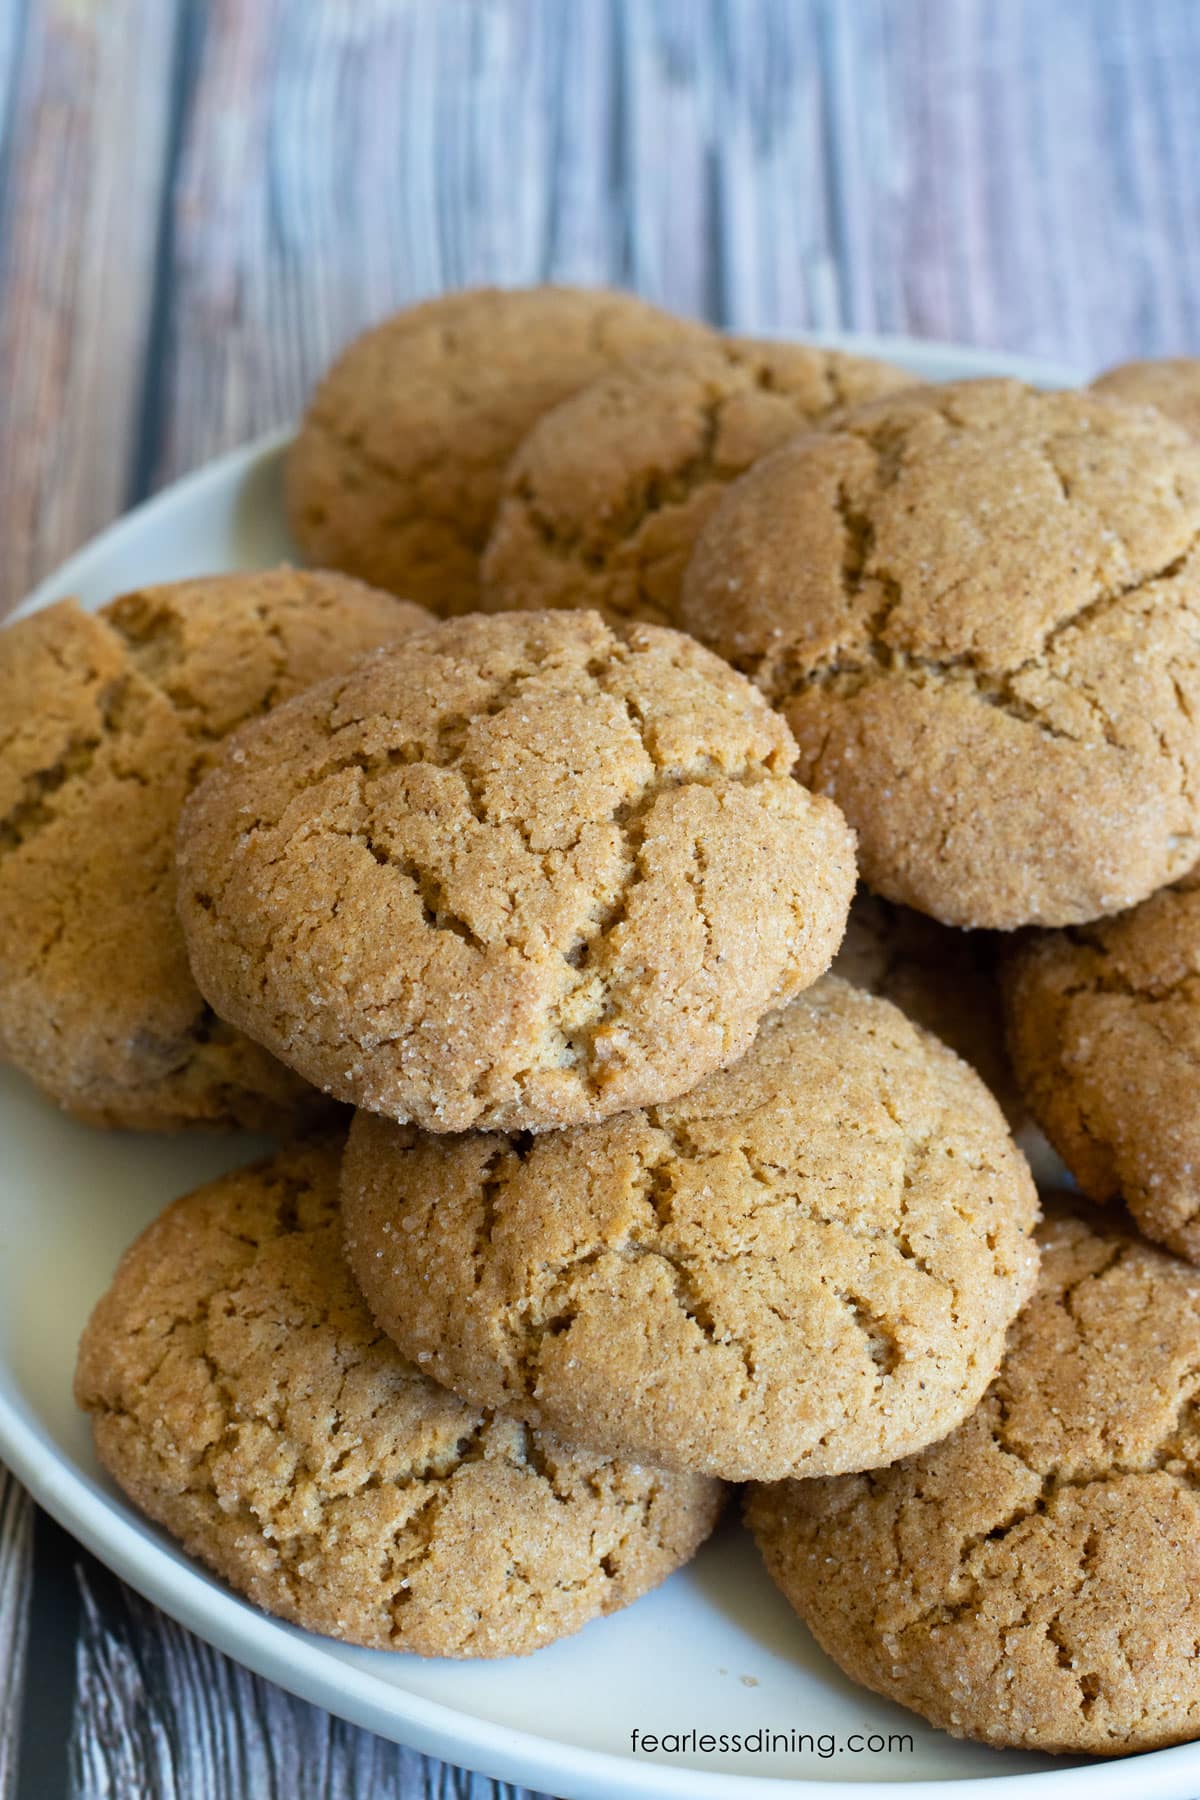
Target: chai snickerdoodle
<point x="806" y="1265"/>
<point x="525" y="872"/>
<point x="978" y="607"/>
<point x="241" y="1396"/>
<point x="1034" y="1579"/>
<point x="108" y="720"/>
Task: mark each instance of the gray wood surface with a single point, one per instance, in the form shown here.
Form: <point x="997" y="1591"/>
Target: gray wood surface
<point x="160" y="1713"/>
<point x="200" y="202"/>
<point x="16" y="1544"/>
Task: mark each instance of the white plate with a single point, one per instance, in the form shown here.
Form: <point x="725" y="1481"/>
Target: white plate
<point x="715" y="1650"/>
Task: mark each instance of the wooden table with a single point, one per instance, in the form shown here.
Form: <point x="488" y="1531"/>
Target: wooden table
<point x="200" y="202"/>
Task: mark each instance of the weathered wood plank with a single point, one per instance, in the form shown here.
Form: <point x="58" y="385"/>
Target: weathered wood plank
<point x="161" y="1715"/>
<point x="1021" y="177"/>
<point x="83" y="169"/>
<point x="586" y="233"/>
<point x="395" y="151"/>
<point x="668" y="64"/>
<point x="771" y="157"/>
<point x="960" y="171"/>
<point x="12" y="34"/>
<point x="16" y="1542"/>
<point x="802" y="165"/>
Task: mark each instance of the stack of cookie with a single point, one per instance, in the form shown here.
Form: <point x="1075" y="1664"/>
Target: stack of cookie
<point x="978" y="609"/>
<point x="638" y="1198"/>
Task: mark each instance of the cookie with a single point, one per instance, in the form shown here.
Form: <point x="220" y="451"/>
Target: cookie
<point x="978" y="607"/>
<point x="107" y="719"/>
<point x="1104" y="1026"/>
<point x="1033" y="1580"/>
<point x="1171" y="383"/>
<point x="242" y="1398"/>
<point x="524" y="872"/>
<point x="807" y="1265"/>
<point x="396" y="471"/>
<point x="943" y="979"/>
<point x="605" y="498"/>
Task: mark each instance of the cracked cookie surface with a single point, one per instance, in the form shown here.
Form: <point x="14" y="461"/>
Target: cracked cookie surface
<point x="943" y="979"/>
<point x="1033" y="1580"/>
<point x="1104" y="1027"/>
<point x="806" y="1265"/>
<point x="606" y="496"/>
<point x="1172" y="383"/>
<point x="522" y="873"/>
<point x="396" y="471"/>
<point x="241" y="1396"/>
<point x="108" y="718"/>
<point x="978" y="607"/>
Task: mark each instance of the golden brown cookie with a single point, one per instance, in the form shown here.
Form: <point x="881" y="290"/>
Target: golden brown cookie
<point x="395" y="474"/>
<point x="1104" y="1027"/>
<point x="522" y="873"/>
<point x="807" y="1265"/>
<point x="945" y="980"/>
<point x="1034" y="1580"/>
<point x="1172" y="383"/>
<point x="605" y="498"/>
<point x="107" y="720"/>
<point x="241" y="1396"/>
<point x="978" y="607"/>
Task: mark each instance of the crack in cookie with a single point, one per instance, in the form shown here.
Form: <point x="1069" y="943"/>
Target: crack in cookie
<point x="977" y="605"/>
<point x="807" y="1264"/>
<point x="576" y="866"/>
<point x="1033" y="1578"/>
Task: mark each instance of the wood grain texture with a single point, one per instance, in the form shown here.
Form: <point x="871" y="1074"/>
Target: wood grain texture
<point x="16" y="1542"/>
<point x="200" y="200"/>
<point x="160" y="1714"/>
<point x="79" y="218"/>
<point x="393" y="152"/>
<point x="1003" y="176"/>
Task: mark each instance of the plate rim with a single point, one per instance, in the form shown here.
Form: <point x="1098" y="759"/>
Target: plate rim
<point x="298" y="1662"/>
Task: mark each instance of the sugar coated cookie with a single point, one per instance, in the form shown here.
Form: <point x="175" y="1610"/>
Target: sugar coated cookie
<point x="241" y="1397"/>
<point x="522" y="873"/>
<point x="1033" y="1580"/>
<point x="978" y="607"/>
<point x="1104" y="1025"/>
<point x="108" y="718"/>
<point x="945" y="980"/>
<point x="806" y="1265"/>
<point x="396" y="470"/>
